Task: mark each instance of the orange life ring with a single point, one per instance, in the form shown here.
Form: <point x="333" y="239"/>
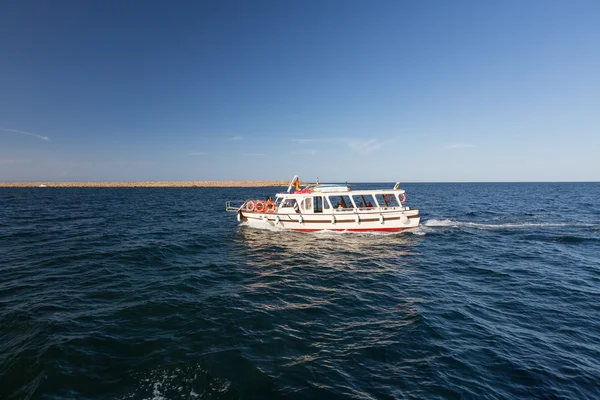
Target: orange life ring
<point x="403" y="198"/>
<point x="260" y="206"/>
<point x="270" y="207"/>
<point x="250" y="205"/>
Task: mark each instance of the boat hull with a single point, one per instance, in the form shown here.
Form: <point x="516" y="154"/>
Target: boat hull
<point x="342" y="222"/>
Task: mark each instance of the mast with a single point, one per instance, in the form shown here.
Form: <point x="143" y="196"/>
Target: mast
<point x="295" y="181"/>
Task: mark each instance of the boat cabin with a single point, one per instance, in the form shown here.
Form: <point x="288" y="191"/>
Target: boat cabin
<point x="333" y="202"/>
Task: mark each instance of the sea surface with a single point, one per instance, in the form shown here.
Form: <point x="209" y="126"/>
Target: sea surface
<point x="132" y="293"/>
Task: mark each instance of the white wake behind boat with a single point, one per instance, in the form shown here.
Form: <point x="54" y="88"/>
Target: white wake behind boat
<point x="330" y="207"/>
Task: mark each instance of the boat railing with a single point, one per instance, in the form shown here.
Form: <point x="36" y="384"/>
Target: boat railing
<point x="234" y="205"/>
<point x="374" y="209"/>
<point x="338" y="209"/>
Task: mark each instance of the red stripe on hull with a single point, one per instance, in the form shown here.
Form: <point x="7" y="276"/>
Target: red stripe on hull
<point x="353" y="230"/>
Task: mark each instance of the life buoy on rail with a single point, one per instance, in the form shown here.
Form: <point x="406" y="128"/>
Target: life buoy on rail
<point x="388" y="198"/>
<point x="250" y="205"/>
<point x="403" y="200"/>
<point x="270" y="207"/>
<point x="260" y="206"/>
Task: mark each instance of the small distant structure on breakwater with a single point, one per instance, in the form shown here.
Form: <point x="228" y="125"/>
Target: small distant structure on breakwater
<point x="148" y="184"/>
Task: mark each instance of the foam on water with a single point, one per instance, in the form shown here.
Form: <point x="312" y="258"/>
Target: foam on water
<point x="188" y="382"/>
<point x="508" y="225"/>
<point x="261" y="225"/>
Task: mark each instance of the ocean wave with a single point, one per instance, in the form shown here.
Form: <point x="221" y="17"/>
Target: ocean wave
<point x="434" y="223"/>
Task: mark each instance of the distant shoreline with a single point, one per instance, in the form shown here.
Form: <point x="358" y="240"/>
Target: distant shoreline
<point x="148" y="184"/>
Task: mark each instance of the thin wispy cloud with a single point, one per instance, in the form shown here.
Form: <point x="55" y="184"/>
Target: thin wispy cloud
<point x="320" y="140"/>
<point x="12" y="161"/>
<point x="310" y="152"/>
<point x="238" y="137"/>
<point x="367" y="146"/>
<point x="362" y="146"/>
<point x="143" y="163"/>
<point x="26" y="133"/>
<point x="203" y="153"/>
<point x="456" y="146"/>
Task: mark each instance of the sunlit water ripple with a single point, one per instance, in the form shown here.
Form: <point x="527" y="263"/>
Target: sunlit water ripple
<point x="159" y="294"/>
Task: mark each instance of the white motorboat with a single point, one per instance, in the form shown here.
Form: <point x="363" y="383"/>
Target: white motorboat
<point x="330" y="207"/>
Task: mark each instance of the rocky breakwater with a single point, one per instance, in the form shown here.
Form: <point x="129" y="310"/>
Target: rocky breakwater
<point x="271" y="183"/>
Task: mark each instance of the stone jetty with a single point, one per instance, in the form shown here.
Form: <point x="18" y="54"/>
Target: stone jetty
<point x="215" y="184"/>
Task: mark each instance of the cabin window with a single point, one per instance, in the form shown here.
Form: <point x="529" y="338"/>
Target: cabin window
<point x="289" y="203"/>
<point x="307" y="204"/>
<point x="326" y="205"/>
<point x="341" y="202"/>
<point x="318" y="203"/>
<point x="363" y="200"/>
<point x="387" y="200"/>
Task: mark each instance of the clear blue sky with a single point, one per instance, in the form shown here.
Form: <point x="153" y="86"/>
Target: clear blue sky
<point x="345" y="90"/>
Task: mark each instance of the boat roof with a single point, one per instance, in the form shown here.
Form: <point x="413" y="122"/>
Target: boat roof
<point x="332" y="189"/>
<point x="341" y="192"/>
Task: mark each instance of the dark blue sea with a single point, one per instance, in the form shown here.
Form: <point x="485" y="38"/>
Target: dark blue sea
<point x="132" y="293"/>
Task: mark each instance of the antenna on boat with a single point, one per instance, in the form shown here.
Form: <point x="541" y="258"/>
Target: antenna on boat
<point x="317" y="180"/>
